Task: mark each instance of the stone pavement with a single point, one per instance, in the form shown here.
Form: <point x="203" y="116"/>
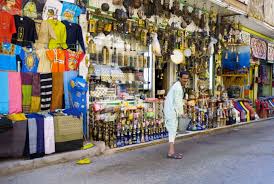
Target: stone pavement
<point x="15" y="166"/>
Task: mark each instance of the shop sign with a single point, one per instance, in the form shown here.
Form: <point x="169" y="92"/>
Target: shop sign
<point x="270" y="53"/>
<point x="258" y="48"/>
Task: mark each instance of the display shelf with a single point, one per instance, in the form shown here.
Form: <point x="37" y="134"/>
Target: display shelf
<point x="235" y="75"/>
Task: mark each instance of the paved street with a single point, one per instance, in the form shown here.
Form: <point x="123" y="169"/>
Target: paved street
<point x="241" y="156"/>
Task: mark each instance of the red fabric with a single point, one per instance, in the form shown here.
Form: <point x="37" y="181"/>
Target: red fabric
<point x="73" y="60"/>
<point x="13" y="9"/>
<point x="7" y="26"/>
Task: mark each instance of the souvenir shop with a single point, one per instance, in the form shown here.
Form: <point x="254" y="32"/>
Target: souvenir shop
<point x="43" y="97"/>
<point x="75" y="71"/>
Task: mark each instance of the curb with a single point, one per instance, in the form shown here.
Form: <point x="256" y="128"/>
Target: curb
<point x="183" y="137"/>
<point x="14" y="166"/>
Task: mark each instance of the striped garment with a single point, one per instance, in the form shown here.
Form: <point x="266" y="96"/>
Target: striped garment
<point x="46" y="90"/>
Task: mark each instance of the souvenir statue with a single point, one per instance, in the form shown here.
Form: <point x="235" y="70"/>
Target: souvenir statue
<point x="186" y="15"/>
<point x="166" y="5"/>
<point x="195" y="14"/>
<point x="157" y="7"/>
<point x="175" y="7"/>
<point x="136" y="4"/>
<point x="203" y="21"/>
<point x="148" y="8"/>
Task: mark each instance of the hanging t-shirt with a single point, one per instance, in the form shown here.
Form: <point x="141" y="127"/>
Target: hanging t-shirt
<point x="30" y="10"/>
<point x="29" y="61"/>
<point x="70" y="12"/>
<point x="52" y="8"/>
<point x="8" y="54"/>
<point x="60" y="33"/>
<point x="38" y="6"/>
<point x="25" y="31"/>
<point x="7" y="26"/>
<point x="73" y="59"/>
<point x="44" y="65"/>
<point x="57" y="57"/>
<point x="74" y="34"/>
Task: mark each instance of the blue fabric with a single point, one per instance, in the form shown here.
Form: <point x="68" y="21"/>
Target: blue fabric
<point x="72" y="112"/>
<point x="40" y="132"/>
<point x="8" y="62"/>
<point x="4" y="97"/>
<point x="78" y="91"/>
<point x="29" y="61"/>
<point x="229" y="59"/>
<point x="67" y="77"/>
<point x="70" y="12"/>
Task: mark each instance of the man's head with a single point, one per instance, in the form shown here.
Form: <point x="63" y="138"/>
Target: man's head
<point x="183" y="77"/>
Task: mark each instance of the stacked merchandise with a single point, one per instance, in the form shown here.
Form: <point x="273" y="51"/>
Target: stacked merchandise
<point x="35" y="135"/>
<point x="244" y="107"/>
<point x="122" y="125"/>
<point x="265" y="107"/>
<point x="41" y="48"/>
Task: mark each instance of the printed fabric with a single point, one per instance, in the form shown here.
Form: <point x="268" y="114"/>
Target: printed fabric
<point x="69" y="75"/>
<point x="52" y="8"/>
<point x="8" y="54"/>
<point x="25" y="31"/>
<point x="7" y="26"/>
<point x="73" y="59"/>
<point x="46" y="91"/>
<point x="70" y="12"/>
<point x="79" y="87"/>
<point x="57" y="57"/>
<point x="29" y="61"/>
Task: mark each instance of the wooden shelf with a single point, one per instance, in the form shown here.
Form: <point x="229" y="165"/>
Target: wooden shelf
<point x="234" y="75"/>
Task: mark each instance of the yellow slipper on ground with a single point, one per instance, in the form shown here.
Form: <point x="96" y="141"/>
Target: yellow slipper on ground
<point x="84" y="161"/>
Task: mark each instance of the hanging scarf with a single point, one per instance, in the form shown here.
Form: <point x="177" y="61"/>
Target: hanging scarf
<point x="46" y="90"/>
<point x="15" y="93"/>
<point x="57" y="91"/>
<point x="67" y="77"/>
<point x="35" y="97"/>
<point x="26" y="91"/>
<point x="4" y="97"/>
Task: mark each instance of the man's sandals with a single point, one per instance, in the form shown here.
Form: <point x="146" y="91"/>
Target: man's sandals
<point x="175" y="156"/>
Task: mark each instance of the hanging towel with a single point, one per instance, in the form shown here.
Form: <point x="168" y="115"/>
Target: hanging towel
<point x="32" y="127"/>
<point x="46" y="90"/>
<point x="69" y="75"/>
<point x="49" y="134"/>
<point x="26" y="91"/>
<point x="4" y="97"/>
<point x="40" y="149"/>
<point x="57" y="91"/>
<point x="35" y="98"/>
<point x="15" y="92"/>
